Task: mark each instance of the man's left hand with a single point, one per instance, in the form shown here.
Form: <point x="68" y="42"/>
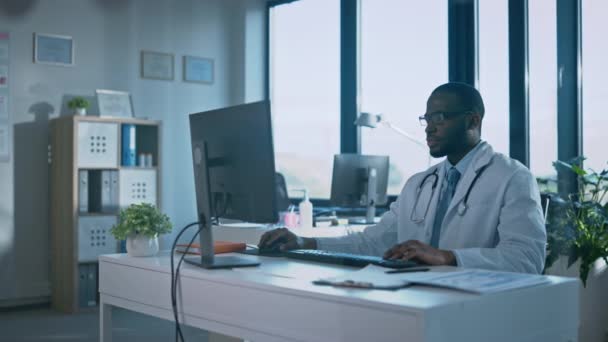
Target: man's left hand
<point x="416" y="250"/>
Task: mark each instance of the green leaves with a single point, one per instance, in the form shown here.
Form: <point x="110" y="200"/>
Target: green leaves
<point x="143" y="219"/>
<point x="78" y="102"/>
<point x="577" y="224"/>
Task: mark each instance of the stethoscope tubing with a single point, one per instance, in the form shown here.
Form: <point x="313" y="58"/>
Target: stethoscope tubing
<point x="462" y="207"/>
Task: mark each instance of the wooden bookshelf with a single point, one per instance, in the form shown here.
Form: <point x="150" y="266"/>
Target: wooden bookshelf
<point x="70" y="248"/>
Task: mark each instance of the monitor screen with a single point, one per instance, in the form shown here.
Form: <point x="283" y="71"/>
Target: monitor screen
<point x="349" y="179"/>
<point x="234" y="146"/>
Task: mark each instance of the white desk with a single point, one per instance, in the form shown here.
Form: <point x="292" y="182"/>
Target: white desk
<point x="252" y="233"/>
<point x="277" y="302"/>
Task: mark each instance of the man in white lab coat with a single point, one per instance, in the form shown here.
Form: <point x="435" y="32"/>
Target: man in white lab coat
<point x="477" y="208"/>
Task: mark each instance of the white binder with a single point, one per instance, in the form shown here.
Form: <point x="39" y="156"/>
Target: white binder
<point x="83" y="191"/>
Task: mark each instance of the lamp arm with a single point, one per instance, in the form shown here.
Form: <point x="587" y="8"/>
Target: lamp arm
<point x="403" y="133"/>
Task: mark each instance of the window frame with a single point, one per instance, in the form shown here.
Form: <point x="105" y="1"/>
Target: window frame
<point x="463" y="58"/>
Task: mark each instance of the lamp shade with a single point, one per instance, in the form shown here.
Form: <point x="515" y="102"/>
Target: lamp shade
<point x="368" y="120"/>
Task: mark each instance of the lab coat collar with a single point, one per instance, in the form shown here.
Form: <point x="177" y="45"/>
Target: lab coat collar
<point x="483" y="156"/>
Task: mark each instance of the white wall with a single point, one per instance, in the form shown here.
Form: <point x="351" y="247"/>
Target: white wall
<point x="108" y="36"/>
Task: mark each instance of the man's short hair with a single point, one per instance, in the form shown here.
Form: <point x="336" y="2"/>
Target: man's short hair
<point x="470" y="97"/>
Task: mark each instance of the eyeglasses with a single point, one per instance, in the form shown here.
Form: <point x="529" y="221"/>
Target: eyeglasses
<point x="438" y="118"/>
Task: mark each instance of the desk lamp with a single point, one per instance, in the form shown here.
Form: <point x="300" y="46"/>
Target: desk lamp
<point x="372" y="121"/>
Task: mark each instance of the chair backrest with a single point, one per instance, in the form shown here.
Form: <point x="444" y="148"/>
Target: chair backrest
<point x="282" y="196"/>
<point x="545" y="200"/>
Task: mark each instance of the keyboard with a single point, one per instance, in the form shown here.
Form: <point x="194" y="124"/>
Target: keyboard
<point x="346" y="259"/>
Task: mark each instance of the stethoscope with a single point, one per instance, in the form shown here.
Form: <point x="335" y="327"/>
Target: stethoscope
<point x="462" y="207"/>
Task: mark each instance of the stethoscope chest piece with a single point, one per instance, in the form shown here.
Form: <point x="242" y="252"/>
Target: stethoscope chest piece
<point x="462" y="208"/>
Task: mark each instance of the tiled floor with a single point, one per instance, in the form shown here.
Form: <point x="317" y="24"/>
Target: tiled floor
<point x="44" y="324"/>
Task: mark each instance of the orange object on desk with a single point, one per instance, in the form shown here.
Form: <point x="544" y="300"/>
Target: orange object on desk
<point x="218" y="246"/>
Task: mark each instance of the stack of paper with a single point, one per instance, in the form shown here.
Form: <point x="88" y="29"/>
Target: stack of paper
<point x="470" y="280"/>
<point x="219" y="247"/>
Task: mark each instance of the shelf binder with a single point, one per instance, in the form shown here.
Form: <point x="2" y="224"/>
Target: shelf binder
<point x="83" y="191"/>
<point x="128" y="152"/>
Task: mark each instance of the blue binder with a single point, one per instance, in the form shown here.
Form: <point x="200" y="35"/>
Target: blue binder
<point x="128" y="145"/>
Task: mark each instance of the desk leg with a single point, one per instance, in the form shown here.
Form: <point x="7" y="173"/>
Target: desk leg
<point x="105" y="322"/>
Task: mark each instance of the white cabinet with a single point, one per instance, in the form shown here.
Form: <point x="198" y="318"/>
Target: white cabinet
<point x="137" y="186"/>
<point x="97" y="145"/>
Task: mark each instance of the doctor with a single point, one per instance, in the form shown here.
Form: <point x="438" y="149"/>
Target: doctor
<point x="477" y="208"/>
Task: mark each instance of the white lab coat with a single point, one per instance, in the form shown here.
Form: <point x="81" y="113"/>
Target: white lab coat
<point x="502" y="229"/>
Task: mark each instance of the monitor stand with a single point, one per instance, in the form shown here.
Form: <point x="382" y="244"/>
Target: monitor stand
<point x="208" y="258"/>
<point x="370" y="200"/>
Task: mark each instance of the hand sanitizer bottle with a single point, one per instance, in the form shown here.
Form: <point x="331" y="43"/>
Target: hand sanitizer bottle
<point x="305" y="208"/>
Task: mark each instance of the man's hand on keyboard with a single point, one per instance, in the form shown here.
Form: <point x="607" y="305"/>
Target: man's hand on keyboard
<point x="418" y="251"/>
<point x="282" y="239"/>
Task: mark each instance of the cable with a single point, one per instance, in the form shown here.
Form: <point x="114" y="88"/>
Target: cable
<point x="175" y="272"/>
<point x="174" y="277"/>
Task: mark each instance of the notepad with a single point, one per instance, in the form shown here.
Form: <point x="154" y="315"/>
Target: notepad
<point x="219" y="247"/>
<point x="469" y="280"/>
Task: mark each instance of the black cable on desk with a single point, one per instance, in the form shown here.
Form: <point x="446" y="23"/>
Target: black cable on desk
<point x="174" y="277"/>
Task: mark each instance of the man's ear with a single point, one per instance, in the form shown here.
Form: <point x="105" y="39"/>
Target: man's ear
<point x="474" y="121"/>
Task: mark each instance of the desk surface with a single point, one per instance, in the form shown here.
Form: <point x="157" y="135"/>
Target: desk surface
<point x="277" y="301"/>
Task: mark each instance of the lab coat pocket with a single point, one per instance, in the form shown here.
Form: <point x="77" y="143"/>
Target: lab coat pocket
<point x="479" y="220"/>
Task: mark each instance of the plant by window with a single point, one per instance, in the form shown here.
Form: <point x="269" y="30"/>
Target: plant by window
<point x="577" y="226"/>
<point x="143" y="219"/>
<point x="78" y="102"/>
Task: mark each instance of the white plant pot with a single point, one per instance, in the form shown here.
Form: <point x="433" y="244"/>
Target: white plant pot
<point x="141" y="245"/>
<point x="593" y="299"/>
<point x="81" y="111"/>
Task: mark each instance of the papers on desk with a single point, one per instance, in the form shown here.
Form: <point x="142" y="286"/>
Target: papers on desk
<point x="469" y="280"/>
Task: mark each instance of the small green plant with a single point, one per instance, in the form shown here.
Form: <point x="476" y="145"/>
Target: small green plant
<point x="78" y="102"/>
<point x="143" y="219"/>
<point x="577" y="226"/>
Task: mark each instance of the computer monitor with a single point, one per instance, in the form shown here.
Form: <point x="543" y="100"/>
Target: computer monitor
<point x="360" y="181"/>
<point x="234" y="172"/>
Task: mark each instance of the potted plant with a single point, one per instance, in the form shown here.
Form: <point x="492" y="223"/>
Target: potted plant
<point x="79" y="105"/>
<point x="140" y="225"/>
<point x="577" y="224"/>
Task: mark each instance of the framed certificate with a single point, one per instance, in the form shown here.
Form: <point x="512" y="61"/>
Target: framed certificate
<point x="53" y="49"/>
<point x="114" y="103"/>
<point x="198" y="69"/>
<point x="157" y="65"/>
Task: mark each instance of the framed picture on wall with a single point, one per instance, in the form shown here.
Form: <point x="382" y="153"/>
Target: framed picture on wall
<point x="53" y="49"/>
<point x="114" y="103"/>
<point x="157" y="65"/>
<point x="198" y="69"/>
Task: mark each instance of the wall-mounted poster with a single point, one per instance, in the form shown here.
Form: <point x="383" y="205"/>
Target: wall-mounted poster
<point x="156" y="65"/>
<point x="3" y="107"/>
<point x="53" y="49"/>
<point x="198" y="69"/>
<point x="4" y="143"/>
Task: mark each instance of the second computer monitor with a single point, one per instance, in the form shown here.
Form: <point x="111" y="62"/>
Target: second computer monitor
<point x="350" y="179"/>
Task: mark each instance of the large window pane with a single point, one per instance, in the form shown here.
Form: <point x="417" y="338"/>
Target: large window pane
<point x="595" y="74"/>
<point x="305" y="92"/>
<point x="404" y="56"/>
<point x="494" y="71"/>
<point x="542" y="47"/>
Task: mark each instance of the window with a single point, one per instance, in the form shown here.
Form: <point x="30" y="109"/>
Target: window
<point x="305" y="92"/>
<point x="595" y="92"/>
<point x="542" y="49"/>
<point x="494" y="71"/>
<point x="404" y="56"/>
